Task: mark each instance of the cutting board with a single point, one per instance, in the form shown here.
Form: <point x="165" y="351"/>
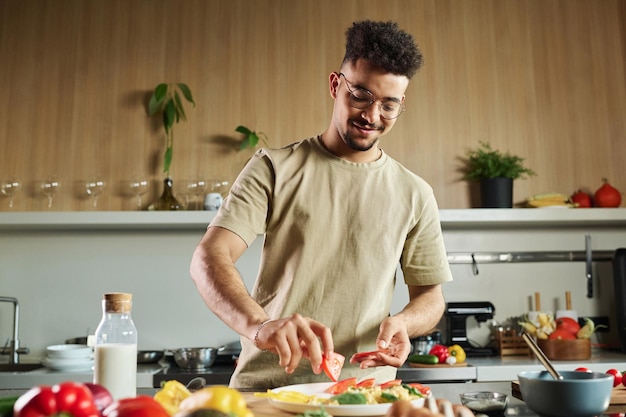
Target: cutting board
<point x="617" y="405"/>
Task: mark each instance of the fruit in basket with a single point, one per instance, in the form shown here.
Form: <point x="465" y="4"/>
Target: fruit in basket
<point x="563" y="328"/>
<point x="607" y="196"/>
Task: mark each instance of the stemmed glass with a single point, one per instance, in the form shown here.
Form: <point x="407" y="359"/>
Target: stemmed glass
<point x="191" y="190"/>
<point x="199" y="185"/>
<point x="218" y="185"/>
<point x="139" y="186"/>
<point x="49" y="188"/>
<point x="9" y="188"/>
<point x="94" y="188"/>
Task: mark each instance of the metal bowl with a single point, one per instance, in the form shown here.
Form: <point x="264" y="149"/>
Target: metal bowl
<point x="485" y="401"/>
<point x="195" y="358"/>
<point x="150" y="356"/>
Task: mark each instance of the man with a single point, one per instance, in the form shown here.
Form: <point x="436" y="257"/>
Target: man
<point x="338" y="214"/>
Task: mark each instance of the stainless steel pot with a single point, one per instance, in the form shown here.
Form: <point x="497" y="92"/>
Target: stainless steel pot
<point x="149" y="356"/>
<point x="195" y="358"/>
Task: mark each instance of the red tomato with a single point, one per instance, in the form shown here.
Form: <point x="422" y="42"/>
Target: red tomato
<point x="568" y="324"/>
<point x="623" y="379"/>
<point x="342" y="386"/>
<point x="366" y="383"/>
<point x="332" y="365"/>
<point x="617" y="376"/>
<point x="392" y="383"/>
<point x="560" y="334"/>
<point x="582" y="369"/>
<point x="421" y="388"/>
<point x="361" y="356"/>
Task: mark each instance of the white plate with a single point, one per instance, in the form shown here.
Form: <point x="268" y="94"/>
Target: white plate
<point x="85" y="364"/>
<point x="318" y="389"/>
<point x="69" y="351"/>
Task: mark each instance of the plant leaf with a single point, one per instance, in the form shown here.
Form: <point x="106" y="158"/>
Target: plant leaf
<point x="160" y="91"/>
<point x="154" y="106"/>
<point x="253" y="139"/>
<point x="244" y="143"/>
<point x="169" y="115"/>
<point x="186" y="92"/>
<point x="243" y="129"/>
<point x="180" y="111"/>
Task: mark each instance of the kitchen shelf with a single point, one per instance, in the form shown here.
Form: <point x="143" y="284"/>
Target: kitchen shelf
<point x="184" y="220"/>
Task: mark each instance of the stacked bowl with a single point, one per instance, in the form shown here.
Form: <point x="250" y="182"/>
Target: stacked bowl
<point x="69" y="358"/>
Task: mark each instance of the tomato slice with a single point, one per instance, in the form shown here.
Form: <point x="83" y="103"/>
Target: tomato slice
<point x="341" y="386"/>
<point x="361" y="356"/>
<point x="392" y="383"/>
<point x="423" y="389"/>
<point x="366" y="383"/>
<point x="332" y="365"/>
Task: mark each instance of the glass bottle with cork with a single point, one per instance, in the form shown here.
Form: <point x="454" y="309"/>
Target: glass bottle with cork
<point x="116" y="347"/>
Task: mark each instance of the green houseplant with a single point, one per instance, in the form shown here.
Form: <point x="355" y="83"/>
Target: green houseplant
<point x="251" y="138"/>
<point x="495" y="171"/>
<point x="166" y="101"/>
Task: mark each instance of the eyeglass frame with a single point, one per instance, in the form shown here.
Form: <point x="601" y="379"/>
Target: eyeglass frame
<point x="373" y="99"/>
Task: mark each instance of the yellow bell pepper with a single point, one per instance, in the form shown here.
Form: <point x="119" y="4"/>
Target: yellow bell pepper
<point x="458" y="352"/>
<point x="171" y="394"/>
<point x="218" y="397"/>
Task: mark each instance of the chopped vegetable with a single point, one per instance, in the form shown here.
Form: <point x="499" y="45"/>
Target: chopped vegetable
<point x="6" y="406"/>
<point x="286" y="396"/>
<point x="342" y="386"/>
<point x="350" y="398"/>
<point x="315" y="413"/>
<point x="332" y="365"/>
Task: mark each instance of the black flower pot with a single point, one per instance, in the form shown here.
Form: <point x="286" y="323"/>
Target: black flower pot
<point x="496" y="192"/>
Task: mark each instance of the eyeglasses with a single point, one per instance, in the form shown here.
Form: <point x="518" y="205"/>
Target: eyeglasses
<point x="361" y="98"/>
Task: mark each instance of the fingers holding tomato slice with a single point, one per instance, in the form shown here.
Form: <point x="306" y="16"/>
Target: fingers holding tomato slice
<point x="332" y="365"/>
<point x="362" y="356"/>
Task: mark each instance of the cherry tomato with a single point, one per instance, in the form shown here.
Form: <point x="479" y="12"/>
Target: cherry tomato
<point x="332" y="365"/>
<point x="342" y="386"/>
<point x="582" y="369"/>
<point x="617" y="376"/>
<point x="623" y="379"/>
<point x="392" y="383"/>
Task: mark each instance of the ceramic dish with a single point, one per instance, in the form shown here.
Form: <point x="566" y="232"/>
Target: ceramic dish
<point x="69" y="365"/>
<point x="318" y="389"/>
<point x="69" y="351"/>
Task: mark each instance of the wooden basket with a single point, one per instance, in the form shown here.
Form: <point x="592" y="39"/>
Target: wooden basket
<point x="511" y="344"/>
<point x="566" y="350"/>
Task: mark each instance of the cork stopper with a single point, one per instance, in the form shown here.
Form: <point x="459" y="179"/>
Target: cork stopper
<point x="118" y="302"/>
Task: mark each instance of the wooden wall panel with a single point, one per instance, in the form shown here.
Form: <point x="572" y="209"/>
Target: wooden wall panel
<point x="542" y="78"/>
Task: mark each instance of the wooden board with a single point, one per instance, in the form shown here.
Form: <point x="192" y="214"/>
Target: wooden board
<point x="439" y="365"/>
<point x="617" y="404"/>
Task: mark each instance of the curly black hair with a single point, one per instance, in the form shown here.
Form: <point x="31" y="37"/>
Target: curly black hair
<point x="385" y="45"/>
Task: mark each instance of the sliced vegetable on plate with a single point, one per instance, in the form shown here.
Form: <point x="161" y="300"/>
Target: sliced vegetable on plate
<point x="332" y="365"/>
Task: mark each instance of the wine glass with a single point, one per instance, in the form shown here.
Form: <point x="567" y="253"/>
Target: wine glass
<point x="9" y="188"/>
<point x="199" y="185"/>
<point x="218" y="185"/>
<point x="139" y="186"/>
<point x="49" y="187"/>
<point x="94" y="188"/>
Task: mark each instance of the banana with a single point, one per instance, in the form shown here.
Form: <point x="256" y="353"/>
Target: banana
<point x="548" y="199"/>
<point x="528" y="327"/>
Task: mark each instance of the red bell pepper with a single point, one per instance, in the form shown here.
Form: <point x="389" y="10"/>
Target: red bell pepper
<point x="67" y="398"/>
<point x="441" y="352"/>
<point x="139" y="406"/>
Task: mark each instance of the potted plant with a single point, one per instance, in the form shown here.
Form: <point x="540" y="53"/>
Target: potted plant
<point x="167" y="103"/>
<point x="251" y="138"/>
<point x="495" y="171"/>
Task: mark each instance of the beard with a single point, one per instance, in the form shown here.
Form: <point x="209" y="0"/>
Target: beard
<point x="350" y="140"/>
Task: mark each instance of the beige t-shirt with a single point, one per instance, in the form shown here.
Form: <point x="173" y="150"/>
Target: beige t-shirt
<point x="334" y="234"/>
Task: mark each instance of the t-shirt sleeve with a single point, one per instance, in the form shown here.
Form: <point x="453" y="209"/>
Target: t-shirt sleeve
<point x="245" y="209"/>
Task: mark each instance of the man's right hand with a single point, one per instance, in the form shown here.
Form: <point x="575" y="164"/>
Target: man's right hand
<point x="294" y="338"/>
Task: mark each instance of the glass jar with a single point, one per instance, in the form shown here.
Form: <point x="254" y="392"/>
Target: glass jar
<point x="116" y="347"/>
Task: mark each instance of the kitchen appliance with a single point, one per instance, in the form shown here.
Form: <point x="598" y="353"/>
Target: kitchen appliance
<point x="457" y="314"/>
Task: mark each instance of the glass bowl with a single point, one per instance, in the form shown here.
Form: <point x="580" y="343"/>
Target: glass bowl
<point x="487" y="402"/>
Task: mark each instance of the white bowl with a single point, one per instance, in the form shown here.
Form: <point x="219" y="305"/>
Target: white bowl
<point x="69" y="351"/>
